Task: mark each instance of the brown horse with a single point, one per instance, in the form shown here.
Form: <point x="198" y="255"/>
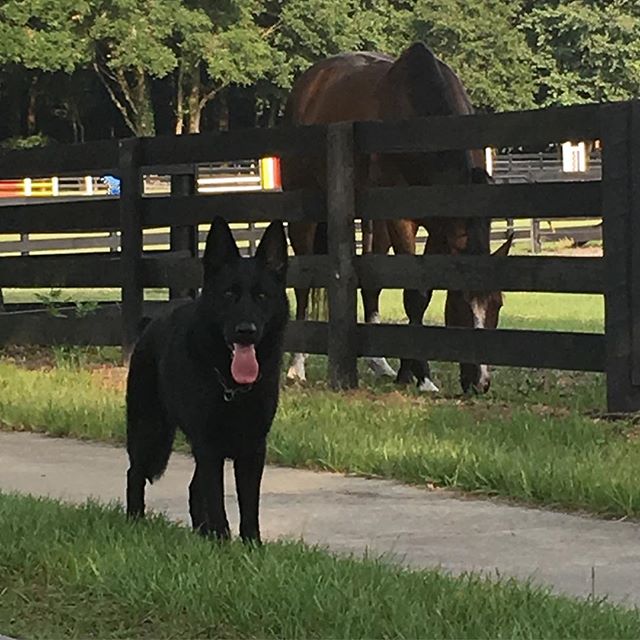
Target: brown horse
<point x="373" y="86"/>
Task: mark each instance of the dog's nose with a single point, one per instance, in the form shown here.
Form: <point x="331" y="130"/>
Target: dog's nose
<point x="246" y="330"/>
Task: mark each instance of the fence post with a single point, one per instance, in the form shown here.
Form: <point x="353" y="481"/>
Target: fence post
<point x="536" y="245"/>
<point x="620" y="222"/>
<point x="129" y="162"/>
<point x="341" y="211"/>
<point x="183" y="239"/>
<point x="634" y="239"/>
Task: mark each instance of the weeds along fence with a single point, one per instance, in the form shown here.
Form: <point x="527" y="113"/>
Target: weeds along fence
<point x="616" y="198"/>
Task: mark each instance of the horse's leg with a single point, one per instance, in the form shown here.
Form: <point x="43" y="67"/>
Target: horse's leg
<point x="379" y="244"/>
<point x="403" y="238"/>
<point x="301" y="236"/>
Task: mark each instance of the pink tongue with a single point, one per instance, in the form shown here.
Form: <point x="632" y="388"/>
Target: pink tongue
<point x="244" y="366"/>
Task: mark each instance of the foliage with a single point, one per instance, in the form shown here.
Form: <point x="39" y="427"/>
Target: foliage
<point x="48" y="35"/>
<point x="480" y="41"/>
<point x="174" y="59"/>
<point x="584" y="50"/>
<point x="28" y="142"/>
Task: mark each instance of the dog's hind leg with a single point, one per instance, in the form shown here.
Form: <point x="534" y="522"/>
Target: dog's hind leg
<point x="135" y="491"/>
<point x="248" y="473"/>
<point x="197" y="506"/>
<point x="209" y="480"/>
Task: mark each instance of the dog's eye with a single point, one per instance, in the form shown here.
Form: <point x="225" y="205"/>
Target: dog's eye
<point x="261" y="295"/>
<point x="228" y="294"/>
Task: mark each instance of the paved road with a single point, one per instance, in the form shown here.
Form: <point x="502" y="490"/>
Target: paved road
<point x="417" y="527"/>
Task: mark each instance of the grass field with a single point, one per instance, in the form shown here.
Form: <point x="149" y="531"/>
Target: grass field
<point x="85" y="572"/>
<point x="560" y="312"/>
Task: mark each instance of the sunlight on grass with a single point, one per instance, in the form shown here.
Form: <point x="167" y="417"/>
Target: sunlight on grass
<point x="552" y="311"/>
<point x="506" y="444"/>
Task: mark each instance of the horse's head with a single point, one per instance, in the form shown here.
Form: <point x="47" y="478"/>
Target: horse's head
<point x="477" y="310"/>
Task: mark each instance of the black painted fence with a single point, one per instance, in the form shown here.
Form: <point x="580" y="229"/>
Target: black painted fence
<point x="616" y="198"/>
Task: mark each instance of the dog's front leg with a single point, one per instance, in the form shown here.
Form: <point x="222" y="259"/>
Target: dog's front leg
<point x="209" y="480"/>
<point x="248" y="472"/>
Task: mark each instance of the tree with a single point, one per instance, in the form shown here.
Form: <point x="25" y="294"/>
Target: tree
<point x="42" y="36"/>
<point x="309" y="30"/>
<point x="584" y="50"/>
<point x="132" y="43"/>
<point x="220" y="44"/>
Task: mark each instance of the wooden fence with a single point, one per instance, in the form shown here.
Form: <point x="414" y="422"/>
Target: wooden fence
<point x="616" y="199"/>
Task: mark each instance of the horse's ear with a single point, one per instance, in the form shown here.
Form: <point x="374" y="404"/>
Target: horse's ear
<point x="220" y="247"/>
<point x="503" y="249"/>
<point x="418" y="72"/>
<point x="272" y="250"/>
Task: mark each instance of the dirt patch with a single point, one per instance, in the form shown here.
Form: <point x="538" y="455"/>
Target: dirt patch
<point x="28" y="357"/>
<point x="580" y="252"/>
<point x="110" y="377"/>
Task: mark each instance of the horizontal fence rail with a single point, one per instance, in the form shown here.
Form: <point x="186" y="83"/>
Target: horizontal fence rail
<point x="60" y="160"/>
<point x="443" y="133"/>
<point x="250" y="143"/>
<point x="99" y="214"/>
<point x="293" y="206"/>
<point x="164" y="269"/>
<point x="547" y="200"/>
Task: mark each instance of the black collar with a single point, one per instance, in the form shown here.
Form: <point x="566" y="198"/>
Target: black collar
<point x="229" y="392"/>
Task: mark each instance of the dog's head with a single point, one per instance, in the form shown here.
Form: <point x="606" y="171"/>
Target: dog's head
<point x="244" y="299"/>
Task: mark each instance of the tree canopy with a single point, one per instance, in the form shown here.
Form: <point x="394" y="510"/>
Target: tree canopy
<point x="70" y="68"/>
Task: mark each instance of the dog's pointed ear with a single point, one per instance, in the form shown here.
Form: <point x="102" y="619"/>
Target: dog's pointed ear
<point x="220" y="247"/>
<point x="272" y="250"/>
<point x="503" y="249"/>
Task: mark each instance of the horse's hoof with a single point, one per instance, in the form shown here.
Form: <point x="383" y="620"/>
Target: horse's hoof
<point x="293" y="375"/>
<point x="427" y="386"/>
<point x="381" y="367"/>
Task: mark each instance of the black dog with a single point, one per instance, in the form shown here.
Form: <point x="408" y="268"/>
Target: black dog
<point x="212" y="368"/>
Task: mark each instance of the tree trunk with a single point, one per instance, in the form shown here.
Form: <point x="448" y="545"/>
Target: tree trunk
<point x="180" y="100"/>
<point x="31" y="107"/>
<point x="223" y="117"/>
<point x="274" y="109"/>
<point x="197" y="99"/>
<point x="143" y="115"/>
<point x="130" y="92"/>
<point x="195" y="111"/>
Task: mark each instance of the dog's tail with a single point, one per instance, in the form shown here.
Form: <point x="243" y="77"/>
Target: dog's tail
<point x="149" y="434"/>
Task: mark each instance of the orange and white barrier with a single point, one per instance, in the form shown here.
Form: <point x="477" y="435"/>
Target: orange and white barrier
<point x="265" y="178"/>
<point x="11" y="188"/>
<point x="270" y="174"/>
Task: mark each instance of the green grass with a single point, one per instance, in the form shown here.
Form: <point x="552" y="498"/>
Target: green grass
<point x="529" y="438"/>
<point x="85" y="572"/>
<point x="516" y="449"/>
<point x="552" y="311"/>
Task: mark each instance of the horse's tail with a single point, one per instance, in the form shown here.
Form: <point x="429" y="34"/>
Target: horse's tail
<point x="318" y="298"/>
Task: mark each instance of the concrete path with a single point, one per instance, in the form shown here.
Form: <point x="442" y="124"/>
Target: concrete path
<point x="417" y="527"/>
